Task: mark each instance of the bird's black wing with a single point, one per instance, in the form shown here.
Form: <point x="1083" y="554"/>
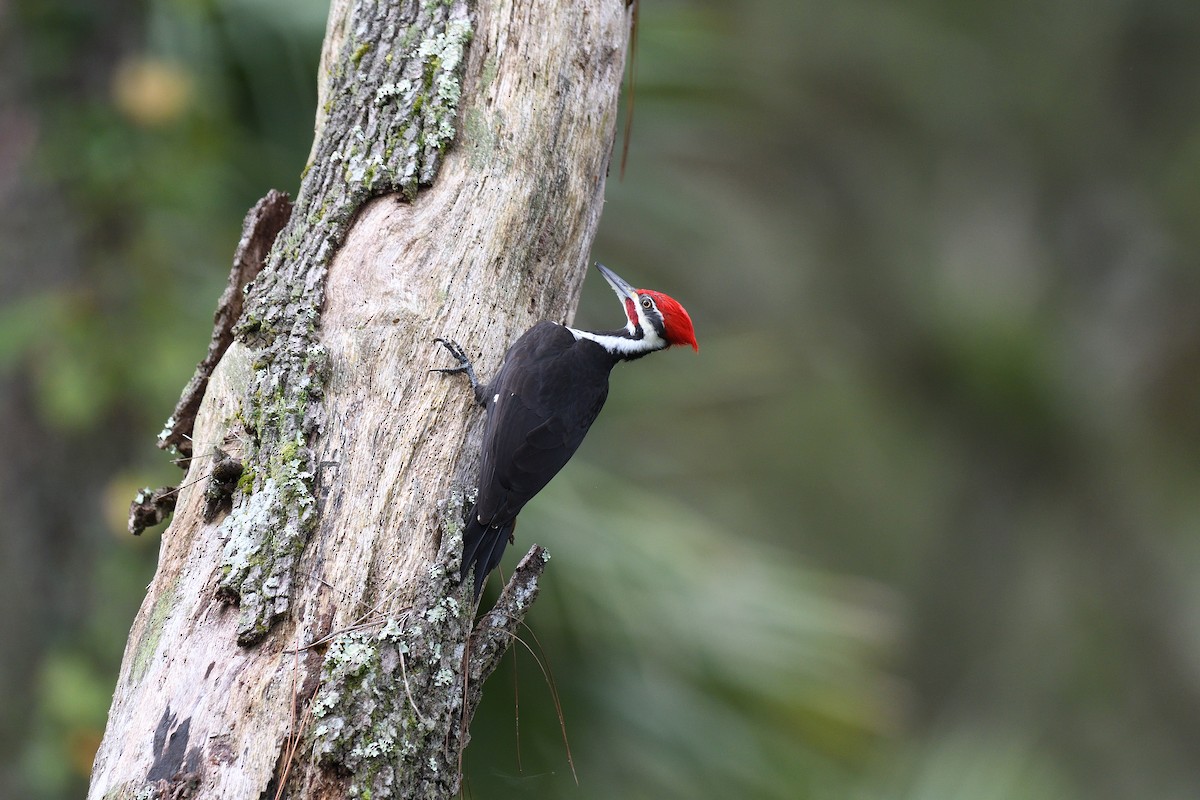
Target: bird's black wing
<point x="546" y="396"/>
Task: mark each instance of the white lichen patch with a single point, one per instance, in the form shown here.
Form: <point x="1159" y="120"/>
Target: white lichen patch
<point x="445" y="53"/>
<point x="526" y="594"/>
<point x="168" y="426"/>
<point x="239" y="530"/>
<point x="402" y="89"/>
<point x="264" y="535"/>
<point x="391" y="630"/>
<point x="364" y="716"/>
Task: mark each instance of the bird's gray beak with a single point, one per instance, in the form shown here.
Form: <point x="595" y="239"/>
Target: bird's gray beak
<point x="623" y="289"/>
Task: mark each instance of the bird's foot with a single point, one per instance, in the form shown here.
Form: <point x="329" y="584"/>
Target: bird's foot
<point x="464" y="366"/>
<point x="459" y="354"/>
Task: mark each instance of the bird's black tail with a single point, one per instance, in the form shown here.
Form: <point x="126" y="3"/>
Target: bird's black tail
<point x="482" y="548"/>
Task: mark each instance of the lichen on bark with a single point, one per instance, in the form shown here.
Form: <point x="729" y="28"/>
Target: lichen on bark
<point x="390" y="693"/>
<point x="393" y="700"/>
<point x="392" y="100"/>
<point x="388" y="703"/>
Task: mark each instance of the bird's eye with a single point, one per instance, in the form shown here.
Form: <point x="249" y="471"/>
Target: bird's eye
<point x="647" y="303"/>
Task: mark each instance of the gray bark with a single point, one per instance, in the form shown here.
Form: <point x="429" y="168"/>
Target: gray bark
<point x="314" y="638"/>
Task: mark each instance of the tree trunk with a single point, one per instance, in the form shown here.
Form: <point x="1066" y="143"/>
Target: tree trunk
<point x="311" y="638"/>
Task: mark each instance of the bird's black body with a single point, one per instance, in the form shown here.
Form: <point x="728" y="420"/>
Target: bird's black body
<point x="548" y="392"/>
<point x="540" y="405"/>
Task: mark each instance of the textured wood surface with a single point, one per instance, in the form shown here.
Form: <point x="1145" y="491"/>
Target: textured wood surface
<point x="498" y="240"/>
<point x="259" y="230"/>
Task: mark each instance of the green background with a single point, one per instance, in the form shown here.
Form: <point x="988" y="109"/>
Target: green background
<point x="919" y="521"/>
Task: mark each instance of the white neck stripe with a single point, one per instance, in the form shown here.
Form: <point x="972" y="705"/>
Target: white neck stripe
<point x="622" y="345"/>
<point x="641" y="337"/>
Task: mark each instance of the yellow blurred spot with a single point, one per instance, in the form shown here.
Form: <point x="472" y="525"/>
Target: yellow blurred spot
<point x="82" y="744"/>
<point x="118" y="494"/>
<point x="151" y="92"/>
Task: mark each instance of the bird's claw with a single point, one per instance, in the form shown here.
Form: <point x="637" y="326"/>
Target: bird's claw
<point x="464" y="366"/>
<point x="459" y="354"/>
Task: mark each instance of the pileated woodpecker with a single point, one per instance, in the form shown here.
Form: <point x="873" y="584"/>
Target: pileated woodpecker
<point x="549" y="390"/>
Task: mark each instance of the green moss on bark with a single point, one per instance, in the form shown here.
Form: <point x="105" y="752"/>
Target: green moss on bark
<point x="392" y="105"/>
<point x="147" y="645"/>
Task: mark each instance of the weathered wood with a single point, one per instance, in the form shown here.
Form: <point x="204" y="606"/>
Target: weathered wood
<point x="259" y="230"/>
<point x="150" y="507"/>
<point x="392" y="97"/>
<point x="338" y="668"/>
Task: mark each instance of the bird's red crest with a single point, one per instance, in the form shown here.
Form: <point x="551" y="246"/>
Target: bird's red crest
<point x="676" y="322"/>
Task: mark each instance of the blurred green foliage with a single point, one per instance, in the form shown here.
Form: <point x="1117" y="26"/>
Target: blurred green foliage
<point x="918" y="522"/>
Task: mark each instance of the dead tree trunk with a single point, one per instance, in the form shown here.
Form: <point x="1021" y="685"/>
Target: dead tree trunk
<point x="311" y="638"/>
